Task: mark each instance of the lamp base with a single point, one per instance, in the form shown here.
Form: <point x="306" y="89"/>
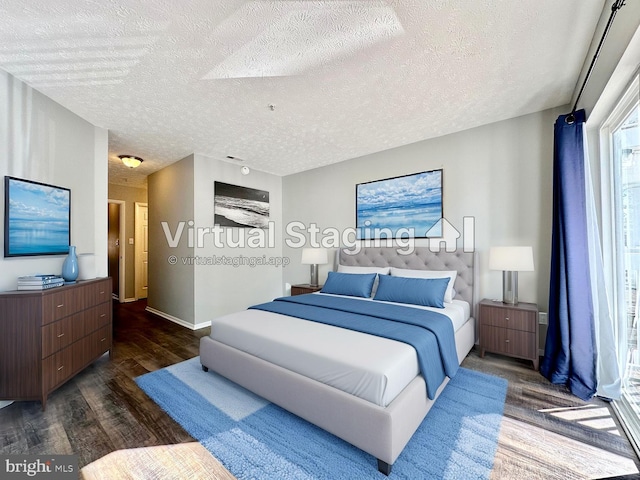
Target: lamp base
<point x="314" y="275"/>
<point x="510" y="287"/>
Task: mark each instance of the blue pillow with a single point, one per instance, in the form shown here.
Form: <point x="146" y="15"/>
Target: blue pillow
<point x="353" y="284"/>
<point x="417" y="291"/>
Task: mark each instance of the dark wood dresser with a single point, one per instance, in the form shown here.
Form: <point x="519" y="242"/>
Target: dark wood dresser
<point x="47" y="337"/>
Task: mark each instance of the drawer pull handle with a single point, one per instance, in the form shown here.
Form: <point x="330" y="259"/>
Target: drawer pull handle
<point x="506" y="341"/>
<point x="506" y="318"/>
<point x="102" y="292"/>
<point x="61" y="305"/>
<point x="60" y="368"/>
<point x="103" y="315"/>
<point x="61" y="335"/>
<point x="103" y="339"/>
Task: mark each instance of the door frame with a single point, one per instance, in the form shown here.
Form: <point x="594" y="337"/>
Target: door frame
<point x="121" y="239"/>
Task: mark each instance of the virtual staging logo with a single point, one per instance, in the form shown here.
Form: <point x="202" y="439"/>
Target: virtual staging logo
<point x="441" y="236"/>
<point x="52" y="467"/>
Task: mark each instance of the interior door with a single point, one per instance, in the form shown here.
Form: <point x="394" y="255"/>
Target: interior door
<point x="142" y="249"/>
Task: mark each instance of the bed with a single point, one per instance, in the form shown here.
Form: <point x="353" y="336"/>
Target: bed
<point x="377" y="412"/>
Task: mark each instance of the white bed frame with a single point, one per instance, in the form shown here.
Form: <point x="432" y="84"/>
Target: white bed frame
<point x="381" y="431"/>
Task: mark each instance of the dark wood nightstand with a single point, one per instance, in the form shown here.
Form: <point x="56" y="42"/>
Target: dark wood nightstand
<point x="304" y="288"/>
<point x="509" y="329"/>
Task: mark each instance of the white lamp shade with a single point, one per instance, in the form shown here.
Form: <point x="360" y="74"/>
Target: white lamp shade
<point x="314" y="256"/>
<point x="515" y="259"/>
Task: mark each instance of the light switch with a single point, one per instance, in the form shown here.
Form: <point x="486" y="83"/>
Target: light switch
<point x="131" y="241"/>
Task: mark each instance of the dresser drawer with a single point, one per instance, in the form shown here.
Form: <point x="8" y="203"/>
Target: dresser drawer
<point x="61" y="333"/>
<point x="97" y="317"/>
<point x="98" y="343"/>
<point x="57" y="305"/>
<point x="99" y="292"/>
<point x="56" y="336"/>
<point x="509" y="342"/>
<point x="509" y="318"/>
<point x="58" y="367"/>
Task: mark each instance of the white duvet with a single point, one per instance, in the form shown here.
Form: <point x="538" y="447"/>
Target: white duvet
<point x="373" y="368"/>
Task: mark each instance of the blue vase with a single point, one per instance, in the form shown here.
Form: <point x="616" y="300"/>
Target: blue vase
<point x="70" y="266"/>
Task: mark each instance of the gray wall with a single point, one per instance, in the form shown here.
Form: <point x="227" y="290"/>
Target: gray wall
<point x="129" y="195"/>
<point x="171" y="287"/>
<point x="500" y="174"/>
<point x="222" y="289"/>
<point x="42" y="141"/>
<point x="193" y="293"/>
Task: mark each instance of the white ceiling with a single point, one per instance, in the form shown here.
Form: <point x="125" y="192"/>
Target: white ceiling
<point x="345" y="77"/>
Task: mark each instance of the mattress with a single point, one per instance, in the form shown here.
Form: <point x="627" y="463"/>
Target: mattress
<point x="373" y="368"/>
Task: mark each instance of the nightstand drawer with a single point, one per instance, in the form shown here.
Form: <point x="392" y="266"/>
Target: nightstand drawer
<point x="304" y="288"/>
<point x="508" y="341"/>
<point x="509" y="318"/>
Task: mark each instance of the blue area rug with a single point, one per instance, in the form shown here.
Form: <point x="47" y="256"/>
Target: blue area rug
<point x="255" y="439"/>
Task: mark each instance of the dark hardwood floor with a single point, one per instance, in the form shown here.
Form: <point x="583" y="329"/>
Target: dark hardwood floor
<point x="102" y="409"/>
<point x="546" y="432"/>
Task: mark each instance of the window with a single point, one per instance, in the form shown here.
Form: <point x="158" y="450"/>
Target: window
<point x="620" y="140"/>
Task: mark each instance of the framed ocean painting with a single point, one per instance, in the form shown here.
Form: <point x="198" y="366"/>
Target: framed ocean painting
<point x="409" y="206"/>
<point x="37" y="218"/>
<point x="236" y="206"/>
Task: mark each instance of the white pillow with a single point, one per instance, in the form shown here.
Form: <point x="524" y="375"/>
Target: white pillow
<point x="355" y="269"/>
<point x="450" y="274"/>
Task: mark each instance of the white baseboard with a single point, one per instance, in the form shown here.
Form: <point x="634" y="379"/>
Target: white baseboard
<point x="177" y="320"/>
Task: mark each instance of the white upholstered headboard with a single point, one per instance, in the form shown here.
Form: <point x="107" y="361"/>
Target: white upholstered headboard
<point x="420" y="259"/>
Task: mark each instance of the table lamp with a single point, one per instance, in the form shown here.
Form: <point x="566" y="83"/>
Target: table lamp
<point x="314" y="257"/>
<point x="511" y="260"/>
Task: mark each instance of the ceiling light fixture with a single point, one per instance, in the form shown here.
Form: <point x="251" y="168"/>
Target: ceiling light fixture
<point x="130" y="161"/>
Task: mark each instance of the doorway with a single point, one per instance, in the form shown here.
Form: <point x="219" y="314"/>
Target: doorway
<point x="115" y="240"/>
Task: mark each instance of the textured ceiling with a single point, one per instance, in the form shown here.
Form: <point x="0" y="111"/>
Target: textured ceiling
<point x="292" y="85"/>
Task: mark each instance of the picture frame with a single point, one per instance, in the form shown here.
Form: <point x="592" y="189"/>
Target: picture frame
<point x="407" y="206"/>
<point x="237" y="206"/>
<point x="37" y="218"/>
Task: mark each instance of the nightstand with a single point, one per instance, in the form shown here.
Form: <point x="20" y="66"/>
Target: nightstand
<point x="509" y="329"/>
<point x="304" y="288"/>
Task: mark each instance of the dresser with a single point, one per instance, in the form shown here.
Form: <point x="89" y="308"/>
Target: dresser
<point x="509" y="329"/>
<point x="47" y="337"/>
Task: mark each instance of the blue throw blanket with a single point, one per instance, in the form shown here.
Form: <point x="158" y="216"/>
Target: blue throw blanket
<point x="430" y="333"/>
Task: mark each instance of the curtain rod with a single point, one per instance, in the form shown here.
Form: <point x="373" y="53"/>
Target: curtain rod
<point x="617" y="5"/>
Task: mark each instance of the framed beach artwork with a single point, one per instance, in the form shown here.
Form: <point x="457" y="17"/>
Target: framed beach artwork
<point x="37" y="218"/>
<point x="236" y="206"/>
<point x="409" y="206"/>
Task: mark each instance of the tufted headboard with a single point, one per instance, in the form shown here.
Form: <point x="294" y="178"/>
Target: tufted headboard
<point x="420" y="259"/>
